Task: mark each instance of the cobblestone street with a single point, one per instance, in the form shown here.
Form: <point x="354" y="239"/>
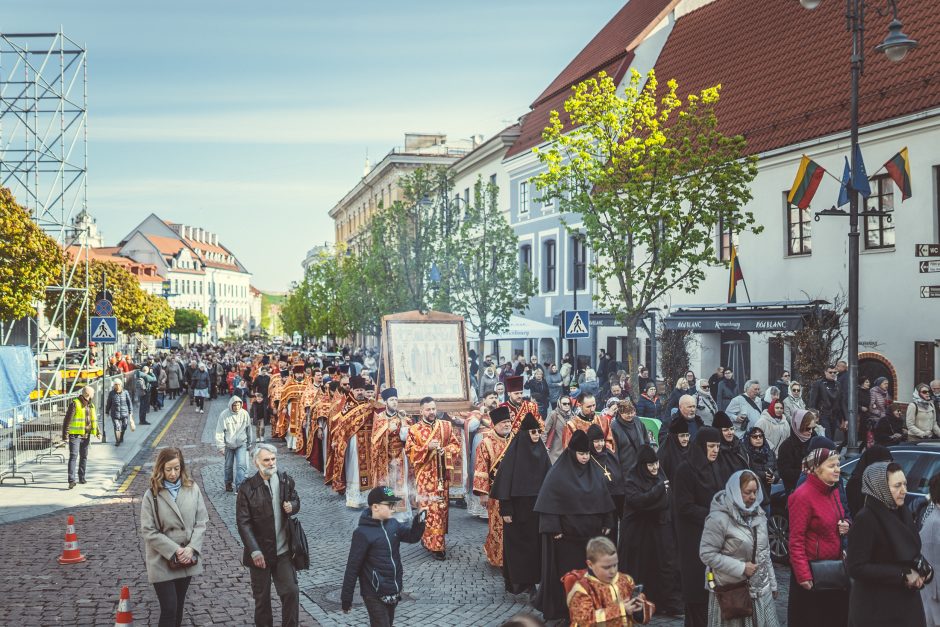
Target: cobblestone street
<point x="464" y="590"/>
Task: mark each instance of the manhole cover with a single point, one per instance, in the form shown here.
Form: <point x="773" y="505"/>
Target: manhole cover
<point x="328" y="597"/>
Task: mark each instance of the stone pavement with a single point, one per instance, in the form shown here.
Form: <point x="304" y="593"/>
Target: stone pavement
<point x="36" y="590"/>
<point x="48" y="492"/>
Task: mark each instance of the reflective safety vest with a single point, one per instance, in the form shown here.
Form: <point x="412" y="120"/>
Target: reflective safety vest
<point x="77" y="425"/>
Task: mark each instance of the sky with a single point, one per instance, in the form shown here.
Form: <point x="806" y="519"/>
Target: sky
<point x="253" y="119"/>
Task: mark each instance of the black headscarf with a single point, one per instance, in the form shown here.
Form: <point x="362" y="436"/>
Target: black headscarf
<point x="523" y="468"/>
<point x="896" y="521"/>
<point x="671" y="453"/>
<point x="572" y="488"/>
<point x="646" y="456"/>
<point x="608" y="462"/>
<point x="708" y="472"/>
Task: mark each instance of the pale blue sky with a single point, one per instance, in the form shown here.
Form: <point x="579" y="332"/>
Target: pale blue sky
<point x="252" y="119"/>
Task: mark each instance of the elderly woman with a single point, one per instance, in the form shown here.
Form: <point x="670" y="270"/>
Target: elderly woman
<point x="735" y="547"/>
<point x="921" y="416"/>
<point x="794" y="401"/>
<point x="776" y="428"/>
<point x="818" y="523"/>
<point x="121" y="410"/>
<point x="705" y="405"/>
<point x="884" y="558"/>
<point x="772" y="394"/>
<point x="880" y="400"/>
<point x="173" y="520"/>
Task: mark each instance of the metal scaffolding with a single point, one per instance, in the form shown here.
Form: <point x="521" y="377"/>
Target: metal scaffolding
<point x="44" y="162"/>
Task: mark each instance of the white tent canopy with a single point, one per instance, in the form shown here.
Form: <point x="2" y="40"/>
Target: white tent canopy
<point x="519" y="328"/>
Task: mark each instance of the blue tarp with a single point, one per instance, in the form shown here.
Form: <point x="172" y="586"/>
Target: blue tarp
<point x="17" y="376"/>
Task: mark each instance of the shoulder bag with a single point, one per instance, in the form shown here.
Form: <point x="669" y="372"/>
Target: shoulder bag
<point x="829" y="574"/>
<point x="299" y="550"/>
<point x="172" y="563"/>
<point x="735" y="599"/>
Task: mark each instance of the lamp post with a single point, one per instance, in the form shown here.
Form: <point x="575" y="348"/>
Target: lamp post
<point x="895" y="46"/>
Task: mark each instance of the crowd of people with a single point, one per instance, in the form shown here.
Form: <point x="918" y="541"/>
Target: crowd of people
<point x="591" y="514"/>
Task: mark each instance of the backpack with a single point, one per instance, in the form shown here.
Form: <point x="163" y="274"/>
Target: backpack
<point x="142" y="387"/>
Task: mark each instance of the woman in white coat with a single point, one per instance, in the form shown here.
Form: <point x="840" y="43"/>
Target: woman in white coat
<point x="173" y="519"/>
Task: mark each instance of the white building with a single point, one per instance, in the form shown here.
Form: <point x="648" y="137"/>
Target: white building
<point x="202" y="273"/>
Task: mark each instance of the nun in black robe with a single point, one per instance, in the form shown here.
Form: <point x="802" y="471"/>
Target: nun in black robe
<point x="672" y="453"/>
<point x="609" y="464"/>
<point x="574" y="505"/>
<point x="516" y="486"/>
<point x="647" y="546"/>
<point x="697" y="480"/>
<point x="733" y="455"/>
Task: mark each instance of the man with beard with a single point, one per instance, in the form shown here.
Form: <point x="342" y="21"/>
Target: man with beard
<point x="260" y="384"/>
<point x="586" y="416"/>
<point x="697" y="480"/>
<point x="610" y="468"/>
<point x="312" y="391"/>
<point x="733" y="456"/>
<point x="343" y="469"/>
<point x="516" y="487"/>
<point x="274" y="395"/>
<point x="322" y="408"/>
<point x="647" y="540"/>
<point x="484" y="471"/>
<point x="518" y="405"/>
<point x="389" y="432"/>
<point x="433" y="450"/>
<point x="476" y="425"/>
<point x="574" y="505"/>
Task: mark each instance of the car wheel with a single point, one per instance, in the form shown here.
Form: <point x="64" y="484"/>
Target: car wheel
<point x="778" y="532"/>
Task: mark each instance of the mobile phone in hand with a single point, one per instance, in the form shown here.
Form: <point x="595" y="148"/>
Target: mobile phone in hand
<point x="637" y="591"/>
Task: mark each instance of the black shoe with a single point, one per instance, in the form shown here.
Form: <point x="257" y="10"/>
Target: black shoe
<point x="439" y="555"/>
<point x="144" y="422"/>
<point x="228" y="487"/>
<point x="82" y="481"/>
<point x="71" y="484"/>
<point x="460" y="503"/>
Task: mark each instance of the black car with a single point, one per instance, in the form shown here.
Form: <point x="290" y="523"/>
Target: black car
<point x="920" y="461"/>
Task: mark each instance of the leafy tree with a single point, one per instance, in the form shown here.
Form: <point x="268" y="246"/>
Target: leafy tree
<point x="491" y="283"/>
<point x="136" y="310"/>
<point x="312" y="308"/>
<point x="29" y="260"/>
<point x="649" y="176"/>
<point x="186" y="321"/>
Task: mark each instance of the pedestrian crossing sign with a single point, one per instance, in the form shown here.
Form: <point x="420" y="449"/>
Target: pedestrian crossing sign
<point x="577" y="324"/>
<point x="104" y="329"/>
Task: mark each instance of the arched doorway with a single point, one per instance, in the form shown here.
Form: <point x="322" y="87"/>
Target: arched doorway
<point x="874" y="365"/>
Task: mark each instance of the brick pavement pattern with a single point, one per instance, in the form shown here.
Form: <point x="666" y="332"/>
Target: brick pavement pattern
<point x="462" y="591"/>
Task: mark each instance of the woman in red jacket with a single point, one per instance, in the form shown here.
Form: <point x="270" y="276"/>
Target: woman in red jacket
<point x="817" y="525"/>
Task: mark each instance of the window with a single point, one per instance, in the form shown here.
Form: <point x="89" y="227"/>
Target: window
<point x="466" y="197"/>
<point x="492" y="179"/>
<point x="799" y="231"/>
<point x="726" y="239"/>
<point x="525" y="257"/>
<point x="879" y="231"/>
<point x="579" y="261"/>
<point x="524" y="197"/>
<point x="550" y="263"/>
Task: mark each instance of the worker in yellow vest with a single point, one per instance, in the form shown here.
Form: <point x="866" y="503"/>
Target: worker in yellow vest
<point x="80" y="424"/>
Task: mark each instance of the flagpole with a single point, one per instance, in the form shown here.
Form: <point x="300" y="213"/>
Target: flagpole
<point x="857" y="19"/>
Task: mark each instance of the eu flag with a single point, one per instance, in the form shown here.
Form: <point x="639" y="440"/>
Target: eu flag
<point x="860" y="176"/>
<point x="844" y="187"/>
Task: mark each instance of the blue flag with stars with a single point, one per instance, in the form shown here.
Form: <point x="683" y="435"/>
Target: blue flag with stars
<point x="844" y="187"/>
<point x="860" y="176"/>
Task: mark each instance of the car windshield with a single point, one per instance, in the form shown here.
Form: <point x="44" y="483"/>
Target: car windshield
<point x="907" y="460"/>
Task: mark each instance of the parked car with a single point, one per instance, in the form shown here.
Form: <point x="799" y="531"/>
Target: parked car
<point x="920" y="461"/>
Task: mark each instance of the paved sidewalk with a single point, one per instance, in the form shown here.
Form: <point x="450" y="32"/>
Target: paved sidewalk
<point x="48" y="492"/>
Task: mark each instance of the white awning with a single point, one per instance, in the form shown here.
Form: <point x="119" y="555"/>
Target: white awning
<point x="519" y="328"/>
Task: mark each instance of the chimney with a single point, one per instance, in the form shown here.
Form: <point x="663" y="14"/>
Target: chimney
<point x="184" y="231"/>
<point x="215" y="239"/>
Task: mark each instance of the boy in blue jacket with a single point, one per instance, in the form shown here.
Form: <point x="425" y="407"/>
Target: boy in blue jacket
<point x="375" y="559"/>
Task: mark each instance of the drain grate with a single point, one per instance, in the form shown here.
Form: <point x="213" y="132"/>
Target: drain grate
<point x="328" y="597"/>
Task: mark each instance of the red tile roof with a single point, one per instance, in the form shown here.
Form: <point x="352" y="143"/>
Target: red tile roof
<point x="606" y="51"/>
<point x="785" y="71"/>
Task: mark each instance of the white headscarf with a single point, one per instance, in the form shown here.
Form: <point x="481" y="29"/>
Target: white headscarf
<point x="733" y="489"/>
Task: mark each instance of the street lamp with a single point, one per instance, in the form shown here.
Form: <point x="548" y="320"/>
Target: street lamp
<point x="895" y="46"/>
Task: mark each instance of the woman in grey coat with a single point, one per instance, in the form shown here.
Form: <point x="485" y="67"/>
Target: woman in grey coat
<point x="121" y="410"/>
<point x="735" y="522"/>
<point x="174" y="377"/>
<point x="173" y="519"/>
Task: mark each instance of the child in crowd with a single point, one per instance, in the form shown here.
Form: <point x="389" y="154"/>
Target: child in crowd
<point x="601" y="595"/>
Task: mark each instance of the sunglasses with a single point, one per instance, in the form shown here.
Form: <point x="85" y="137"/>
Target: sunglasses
<point x="704" y="387"/>
<point x="535" y="431"/>
<point x="757" y="436"/>
<point x="925" y="391"/>
<point x="563" y="403"/>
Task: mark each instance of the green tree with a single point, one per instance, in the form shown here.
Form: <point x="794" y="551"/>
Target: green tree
<point x="136" y="310"/>
<point x="29" y="260"/>
<point x="490" y="282"/>
<point x="650" y="176"/>
<point x="186" y="321"/>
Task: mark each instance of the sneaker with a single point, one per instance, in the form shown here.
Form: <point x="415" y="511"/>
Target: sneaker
<point x="71" y="484"/>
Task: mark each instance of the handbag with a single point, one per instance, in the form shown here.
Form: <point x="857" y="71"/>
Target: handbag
<point x="172" y="563"/>
<point x="735" y="599"/>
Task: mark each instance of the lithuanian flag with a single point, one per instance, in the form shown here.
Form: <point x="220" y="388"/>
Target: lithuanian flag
<point x="807" y="180"/>
<point x="736" y="275"/>
<point x="899" y="169"/>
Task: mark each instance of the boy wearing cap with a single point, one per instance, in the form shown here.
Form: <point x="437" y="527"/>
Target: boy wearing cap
<point x="375" y="559"/>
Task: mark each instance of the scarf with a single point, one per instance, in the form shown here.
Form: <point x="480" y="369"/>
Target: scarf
<point x="733" y="489"/>
<point x="816" y="457"/>
<point x="796" y="424"/>
<point x="896" y="522"/>
<point x="921" y="404"/>
<point x="875" y="484"/>
<point x="173" y="488"/>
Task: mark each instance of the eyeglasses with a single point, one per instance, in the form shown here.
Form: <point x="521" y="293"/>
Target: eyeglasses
<point x="564" y="404"/>
<point x="704" y="387"/>
<point x="757" y="436"/>
<point x="925" y="391"/>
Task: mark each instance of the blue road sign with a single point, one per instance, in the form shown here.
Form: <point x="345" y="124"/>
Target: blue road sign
<point x="577" y="324"/>
<point x="104" y="308"/>
<point x="104" y="329"/>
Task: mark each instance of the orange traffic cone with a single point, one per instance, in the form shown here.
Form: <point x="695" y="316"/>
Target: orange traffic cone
<point x="70" y="552"/>
<point x="124" y="614"/>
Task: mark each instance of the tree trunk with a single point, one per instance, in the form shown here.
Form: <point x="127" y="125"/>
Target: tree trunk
<point x="480" y="343"/>
<point x="633" y="351"/>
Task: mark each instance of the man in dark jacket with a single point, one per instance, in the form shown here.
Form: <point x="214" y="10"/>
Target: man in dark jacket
<point x="265" y="501"/>
<point x="374" y="557"/>
<point x="538" y="390"/>
<point x="826" y="398"/>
